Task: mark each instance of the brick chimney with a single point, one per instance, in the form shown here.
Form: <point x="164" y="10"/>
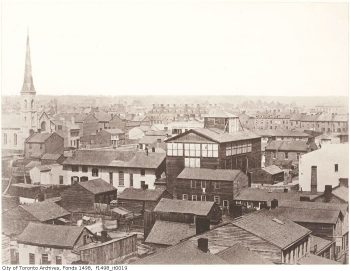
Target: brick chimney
<point x="203" y="244"/>
<point x="313" y="179"/>
<point x="327" y="193"/>
<point x="202" y="225"/>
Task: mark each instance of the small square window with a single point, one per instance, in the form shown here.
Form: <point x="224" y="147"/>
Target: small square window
<point x="184" y="197"/>
<point x="194" y="197"/>
<point x="143" y="172"/>
<point x="336" y="167"/>
<point x="84" y="169"/>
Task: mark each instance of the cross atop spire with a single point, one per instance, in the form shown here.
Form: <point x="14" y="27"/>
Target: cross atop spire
<point x="28" y="85"/>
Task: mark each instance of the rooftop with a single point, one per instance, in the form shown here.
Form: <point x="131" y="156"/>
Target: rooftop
<point x="45" y="210"/>
<point x="51" y="156"/>
<point x="211" y="174"/>
<point x="314" y="259"/>
<point x="97" y="186"/>
<point x="284" y="145"/>
<point x="200" y="208"/>
<point x="273" y="169"/>
<point x="141" y="194"/>
<point x="39" y="137"/>
<point x="50" y="235"/>
<point x="170" y="233"/>
<point x="141" y="160"/>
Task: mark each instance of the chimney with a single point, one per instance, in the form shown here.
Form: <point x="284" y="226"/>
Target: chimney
<point x="202" y="225"/>
<point x="313" y="179"/>
<point x="285" y="190"/>
<point x="344" y="182"/>
<point x="249" y="179"/>
<point x="236" y="210"/>
<point x="274" y="204"/>
<point x="327" y="192"/>
<point x="203" y="244"/>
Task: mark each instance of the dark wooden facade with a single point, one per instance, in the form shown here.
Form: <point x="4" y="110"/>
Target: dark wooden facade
<point x="260" y="176"/>
<point x="53" y="144"/>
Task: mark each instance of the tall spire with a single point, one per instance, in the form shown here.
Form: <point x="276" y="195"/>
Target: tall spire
<point x="28" y="85"/>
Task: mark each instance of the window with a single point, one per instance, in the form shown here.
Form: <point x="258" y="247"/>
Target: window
<point x="225" y="203"/>
<point x="5" y="139"/>
<point x="84" y="179"/>
<point x="194" y="197"/>
<point x="84" y="169"/>
<point x="143" y="172"/>
<point x="15" y="139"/>
<point x="121" y="178"/>
<point x="59" y="127"/>
<point x="249" y="147"/>
<point x="111" y="178"/>
<point x="41" y="146"/>
<point x="175" y="149"/>
<point x="192" y="162"/>
<point x="131" y="180"/>
<point x="216" y="185"/>
<point x="286" y="155"/>
<point x="45" y="259"/>
<point x="94" y="172"/>
<point x="193" y="184"/>
<point x="31" y="258"/>
<point x="335" y="167"/>
<point x="75" y="168"/>
<point x="217" y="199"/>
<point x="58" y="260"/>
<point x="229" y="150"/>
<point x="209" y="150"/>
<point x="74" y="179"/>
<point x="61" y="179"/>
<point x="203" y="197"/>
<point x="184" y="197"/>
<point x="203" y="184"/>
<point x="193" y="150"/>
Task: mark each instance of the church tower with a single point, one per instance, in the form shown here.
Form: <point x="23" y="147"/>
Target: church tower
<point x="28" y="98"/>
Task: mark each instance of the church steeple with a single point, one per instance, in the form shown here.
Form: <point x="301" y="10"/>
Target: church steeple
<point x="28" y="85"/>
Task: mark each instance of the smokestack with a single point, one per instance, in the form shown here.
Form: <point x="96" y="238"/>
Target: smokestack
<point x="203" y="244"/>
<point x="274" y="204"/>
<point x="202" y="225"/>
<point x="313" y="179"/>
<point x="327" y="192"/>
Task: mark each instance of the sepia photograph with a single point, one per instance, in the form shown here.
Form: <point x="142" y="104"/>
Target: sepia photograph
<point x="174" y="132"/>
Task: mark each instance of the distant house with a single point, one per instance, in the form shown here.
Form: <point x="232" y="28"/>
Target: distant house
<point x="137" y="132"/>
<point x="138" y="200"/>
<point x="121" y="168"/>
<point x="204" y="184"/>
<point x="339" y="194"/>
<point x="88" y="196"/>
<point x="152" y="141"/>
<point x="48" y="174"/>
<point x="39" y="144"/>
<point x="95" y="122"/>
<point x="44" y="244"/>
<point x="104" y="138"/>
<point x="329" y="164"/>
<point x="280" y="152"/>
<point x="187" y="211"/>
<point x="267" y="176"/>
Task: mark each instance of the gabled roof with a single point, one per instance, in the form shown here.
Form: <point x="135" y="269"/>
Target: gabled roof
<point x="51" y="156"/>
<point x="283" y="145"/>
<point x="15" y="220"/>
<point x="281" y="232"/>
<point x="39" y="137"/>
<point x="314" y="259"/>
<point x="102" y="116"/>
<point x="273" y="169"/>
<point x="141" y="194"/>
<point x="45" y="211"/>
<point x="99" y="157"/>
<point x="182" y="253"/>
<point x="281" y="133"/>
<point x="170" y="233"/>
<point x="151" y="139"/>
<point x="97" y="186"/>
<point x="211" y="174"/>
<point x="239" y="254"/>
<point x="217" y="135"/>
<point x="47" y="235"/>
<point x="200" y="208"/>
<point x="342" y="193"/>
<point x="141" y="160"/>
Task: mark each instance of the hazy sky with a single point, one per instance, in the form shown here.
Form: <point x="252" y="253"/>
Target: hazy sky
<point x="176" y="47"/>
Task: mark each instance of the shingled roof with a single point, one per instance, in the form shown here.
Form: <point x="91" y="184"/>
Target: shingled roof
<point x="212" y="174"/>
<point x="141" y="194"/>
<point x="39" y="137"/>
<point x="97" y="186"/>
<point x="47" y="235"/>
<point x="45" y="210"/>
<point x="201" y="208"/>
<point x="141" y="160"/>
<point x="283" y="145"/>
<point x="281" y="232"/>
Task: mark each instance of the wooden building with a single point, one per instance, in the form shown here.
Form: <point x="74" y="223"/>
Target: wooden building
<point x="139" y="200"/>
<point x="203" y="184"/>
<point x="39" y="144"/>
<point x="85" y="196"/>
<point x="267" y="176"/>
<point x="187" y="211"/>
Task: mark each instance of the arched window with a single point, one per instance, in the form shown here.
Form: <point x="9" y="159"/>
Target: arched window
<point x="32" y="104"/>
<point x="15" y="139"/>
<point x="43" y="126"/>
<point x="25" y="104"/>
<point x="5" y="138"/>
